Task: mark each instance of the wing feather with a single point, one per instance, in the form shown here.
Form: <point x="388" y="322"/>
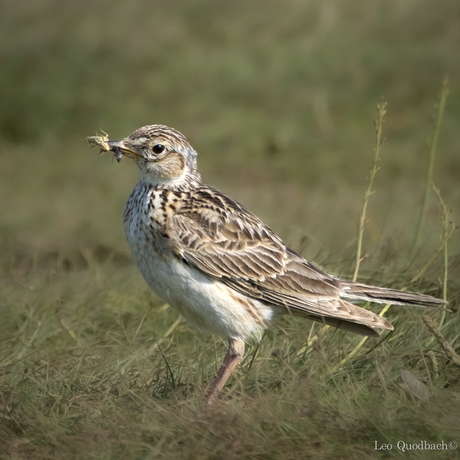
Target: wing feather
<point x="225" y="241"/>
<point x="221" y="238"/>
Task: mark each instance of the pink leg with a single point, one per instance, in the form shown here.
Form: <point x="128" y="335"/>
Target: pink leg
<point x="234" y="355"/>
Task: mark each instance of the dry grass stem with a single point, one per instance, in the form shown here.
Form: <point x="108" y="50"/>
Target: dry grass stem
<point x="381" y="111"/>
<point x="445" y="345"/>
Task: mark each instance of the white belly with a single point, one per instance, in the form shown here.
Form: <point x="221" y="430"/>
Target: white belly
<point x="206" y="304"/>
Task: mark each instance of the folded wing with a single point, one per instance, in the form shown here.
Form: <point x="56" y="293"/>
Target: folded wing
<point x="225" y="241"/>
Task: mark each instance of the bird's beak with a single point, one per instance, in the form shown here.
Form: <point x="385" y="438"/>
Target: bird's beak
<point x="119" y="148"/>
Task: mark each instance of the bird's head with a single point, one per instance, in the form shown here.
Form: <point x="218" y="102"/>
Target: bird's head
<point x="164" y="155"/>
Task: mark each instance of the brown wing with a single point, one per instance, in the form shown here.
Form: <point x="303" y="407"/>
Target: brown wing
<point x="221" y="238"/>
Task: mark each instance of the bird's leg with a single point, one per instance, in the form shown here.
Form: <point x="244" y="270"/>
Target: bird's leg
<point x="234" y="355"/>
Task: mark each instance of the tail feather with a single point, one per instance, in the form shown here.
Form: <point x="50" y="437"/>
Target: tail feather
<point x="357" y="291"/>
<point x="344" y="315"/>
<point x="351" y="318"/>
<point x="352" y="326"/>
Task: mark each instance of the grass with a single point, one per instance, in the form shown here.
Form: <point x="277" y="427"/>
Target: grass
<point x="430" y="168"/>
<point x="381" y="109"/>
<point x="280" y="107"/>
<point x="89" y="374"/>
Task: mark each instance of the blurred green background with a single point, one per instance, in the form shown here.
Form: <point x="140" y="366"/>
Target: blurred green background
<point x="279" y="99"/>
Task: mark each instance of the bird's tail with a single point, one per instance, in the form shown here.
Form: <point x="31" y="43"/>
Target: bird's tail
<point x="362" y="292"/>
<point x="371" y="325"/>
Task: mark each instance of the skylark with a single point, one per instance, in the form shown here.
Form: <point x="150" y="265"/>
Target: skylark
<point x="218" y="264"/>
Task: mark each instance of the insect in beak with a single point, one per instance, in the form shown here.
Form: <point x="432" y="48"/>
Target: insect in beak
<point x="117" y="147"/>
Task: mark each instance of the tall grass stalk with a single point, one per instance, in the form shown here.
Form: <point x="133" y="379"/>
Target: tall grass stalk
<point x="430" y="168"/>
<point x="379" y="141"/>
<point x="448" y="229"/>
<point x="381" y="111"/>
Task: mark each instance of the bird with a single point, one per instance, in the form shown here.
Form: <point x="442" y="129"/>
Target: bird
<point x="218" y="264"/>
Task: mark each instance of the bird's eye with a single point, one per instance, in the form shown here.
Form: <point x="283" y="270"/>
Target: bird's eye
<point x="158" y="148"/>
